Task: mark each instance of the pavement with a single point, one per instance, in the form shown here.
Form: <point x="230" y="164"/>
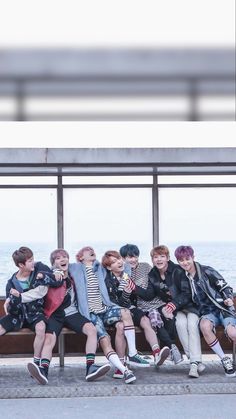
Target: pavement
<point x="69" y="381"/>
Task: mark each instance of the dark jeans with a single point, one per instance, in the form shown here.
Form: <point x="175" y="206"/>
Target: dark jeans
<point x="167" y="333"/>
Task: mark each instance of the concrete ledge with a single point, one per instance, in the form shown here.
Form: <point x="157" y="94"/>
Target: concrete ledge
<point x="70" y="382"/>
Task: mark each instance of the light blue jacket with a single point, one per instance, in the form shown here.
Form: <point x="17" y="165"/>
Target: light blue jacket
<point x="78" y="273"/>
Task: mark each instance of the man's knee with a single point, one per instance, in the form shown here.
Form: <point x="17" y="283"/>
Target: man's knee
<point x="231" y="332"/>
<point x="145" y="323"/>
<point x="125" y="314"/>
<point x="2" y="330"/>
<point x="206" y="325"/>
<point x="89" y="329"/>
<point x="40" y="328"/>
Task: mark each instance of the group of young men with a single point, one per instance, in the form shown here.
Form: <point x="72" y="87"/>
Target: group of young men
<point x="166" y="301"/>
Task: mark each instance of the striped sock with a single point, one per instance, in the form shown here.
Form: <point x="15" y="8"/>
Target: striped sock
<point x="155" y="349"/>
<point x="90" y="358"/>
<point x="216" y="347"/>
<point x="45" y="364"/>
<point x="115" y="361"/>
<point x="36" y="360"/>
<point x="129" y="332"/>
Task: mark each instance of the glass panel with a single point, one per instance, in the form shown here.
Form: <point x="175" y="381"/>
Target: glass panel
<point x="28" y="180"/>
<point x="109" y="180"/>
<point x="108" y="219"/>
<point x="28" y="217"/>
<point x="205" y="219"/>
<point x="186" y="179"/>
<point x="110" y="105"/>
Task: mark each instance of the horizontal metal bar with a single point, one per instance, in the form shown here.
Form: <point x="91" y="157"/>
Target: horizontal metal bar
<point x="198" y="185"/>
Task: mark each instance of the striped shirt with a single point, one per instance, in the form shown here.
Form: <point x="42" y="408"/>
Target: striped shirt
<point x="95" y="302"/>
<point x="140" y="277"/>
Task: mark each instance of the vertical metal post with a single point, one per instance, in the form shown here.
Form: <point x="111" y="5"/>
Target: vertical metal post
<point x="60" y="243"/>
<point x="60" y="221"/>
<point x="20" y="96"/>
<point x="193" y="96"/>
<point x="155" y="211"/>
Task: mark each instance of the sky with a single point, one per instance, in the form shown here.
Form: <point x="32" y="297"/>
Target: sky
<point x="117" y="134"/>
<point x="112" y="23"/>
<point x="73" y="23"/>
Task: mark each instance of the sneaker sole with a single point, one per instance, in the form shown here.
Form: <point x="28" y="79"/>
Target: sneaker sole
<point x="135" y="364"/>
<point x="99" y="373"/>
<point x="130" y="380"/>
<point x="118" y="376"/>
<point x="230" y="375"/>
<point x="201" y="368"/>
<point x="193" y="375"/>
<point x="35" y="373"/>
<point x="164" y="355"/>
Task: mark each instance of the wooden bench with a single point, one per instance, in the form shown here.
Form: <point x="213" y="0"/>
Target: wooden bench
<point x="76" y="342"/>
<point x="142" y="345"/>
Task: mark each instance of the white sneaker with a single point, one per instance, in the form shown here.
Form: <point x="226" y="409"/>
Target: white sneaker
<point x="201" y="367"/>
<point x="193" y="372"/>
<point x="161" y="356"/>
<point x="176" y="355"/>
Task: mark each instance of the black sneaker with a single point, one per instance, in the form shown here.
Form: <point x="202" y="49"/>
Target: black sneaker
<point x="38" y="373"/>
<point x="228" y="366"/>
<point x="129" y="376"/>
<point x="96" y="371"/>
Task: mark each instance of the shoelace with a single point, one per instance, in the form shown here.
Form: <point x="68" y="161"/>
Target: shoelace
<point x="227" y="363"/>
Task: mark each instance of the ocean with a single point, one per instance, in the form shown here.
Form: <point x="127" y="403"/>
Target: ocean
<point x="221" y="256"/>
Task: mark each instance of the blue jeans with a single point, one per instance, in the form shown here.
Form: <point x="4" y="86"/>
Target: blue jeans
<point x="220" y="320"/>
<point x="111" y="316"/>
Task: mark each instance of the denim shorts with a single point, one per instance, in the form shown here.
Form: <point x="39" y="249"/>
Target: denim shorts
<point x="111" y="316"/>
<point x="220" y="320"/>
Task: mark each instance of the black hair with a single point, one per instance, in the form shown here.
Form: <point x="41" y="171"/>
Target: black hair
<point x="129" y="250"/>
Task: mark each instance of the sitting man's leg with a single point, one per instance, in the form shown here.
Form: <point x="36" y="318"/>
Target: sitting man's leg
<point x="134" y="358"/>
<point x="207" y="324"/>
<point x="142" y="321"/>
<point x="39" y="329"/>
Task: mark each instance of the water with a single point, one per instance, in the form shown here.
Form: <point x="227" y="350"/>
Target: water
<point x="221" y="256"/>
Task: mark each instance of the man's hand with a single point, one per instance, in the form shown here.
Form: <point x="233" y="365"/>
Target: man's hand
<point x="130" y="286"/>
<point x="5" y="305"/>
<point x="14" y="292"/>
<point x="229" y="302"/>
<point x="59" y="275"/>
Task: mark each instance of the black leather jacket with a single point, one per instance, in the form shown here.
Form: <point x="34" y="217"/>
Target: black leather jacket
<point x="212" y="290"/>
<point x="157" y="287"/>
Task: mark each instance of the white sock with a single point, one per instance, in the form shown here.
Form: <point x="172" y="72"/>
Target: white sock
<point x="115" y="361"/>
<point x="129" y="332"/>
<point x="216" y="347"/>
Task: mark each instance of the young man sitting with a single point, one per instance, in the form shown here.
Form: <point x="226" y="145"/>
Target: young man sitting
<point x="154" y="290"/>
<point x="120" y="288"/>
<point x="95" y="304"/>
<point x="61" y="309"/>
<point x="25" y="292"/>
<point x="209" y="291"/>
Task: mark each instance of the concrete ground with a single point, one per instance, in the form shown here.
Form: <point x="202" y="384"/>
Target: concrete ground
<point x="69" y="381"/>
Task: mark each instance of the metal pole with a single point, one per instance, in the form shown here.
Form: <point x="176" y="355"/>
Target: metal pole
<point x="193" y="96"/>
<point x="60" y="243"/>
<point x="155" y="211"/>
<point x="60" y="221"/>
<point x="20" y="96"/>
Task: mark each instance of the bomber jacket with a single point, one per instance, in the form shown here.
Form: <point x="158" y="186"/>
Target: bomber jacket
<point x="211" y="287"/>
<point x="119" y="296"/>
<point x="29" y="305"/>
